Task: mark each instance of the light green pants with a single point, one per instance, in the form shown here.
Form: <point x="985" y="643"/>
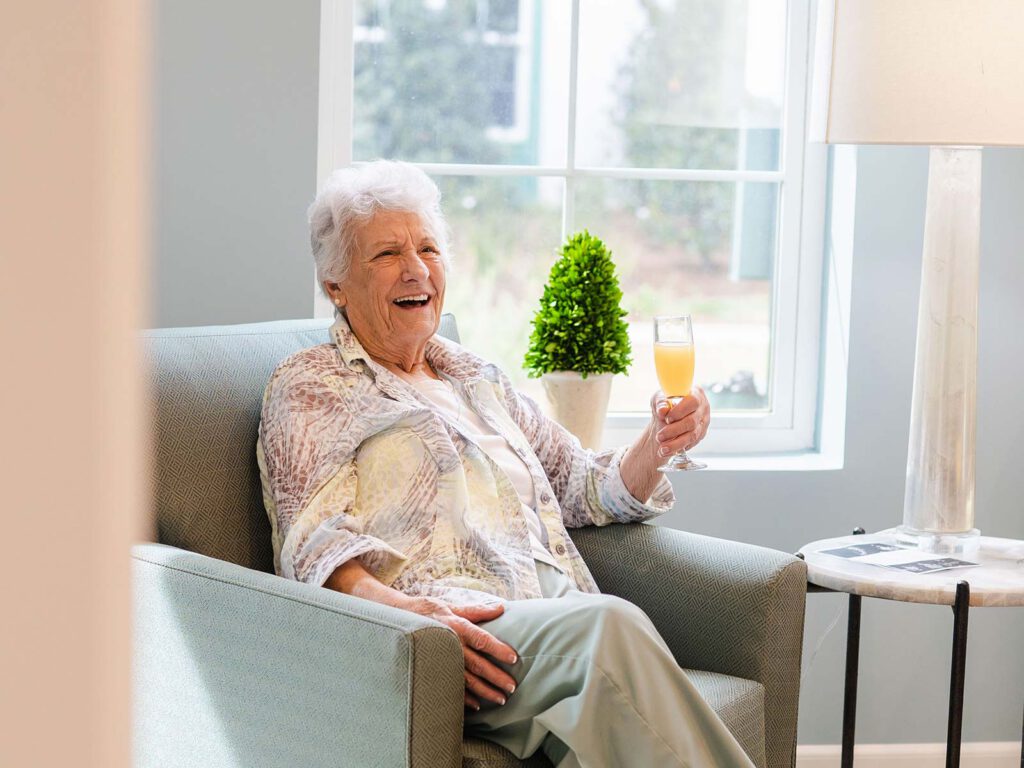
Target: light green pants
<point x="597" y="687"/>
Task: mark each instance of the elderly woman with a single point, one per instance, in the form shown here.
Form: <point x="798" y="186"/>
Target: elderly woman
<point x="401" y="468"/>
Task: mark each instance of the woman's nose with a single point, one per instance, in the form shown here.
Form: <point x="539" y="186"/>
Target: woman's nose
<point x="413" y="267"/>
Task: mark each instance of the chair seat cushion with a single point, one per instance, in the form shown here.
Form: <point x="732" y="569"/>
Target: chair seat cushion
<point x="739" y="702"/>
<point x="480" y="753"/>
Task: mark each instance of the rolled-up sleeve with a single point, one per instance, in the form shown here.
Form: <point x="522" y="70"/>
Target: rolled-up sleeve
<point x="587" y="484"/>
<point x="614" y="501"/>
<point x="324" y="535"/>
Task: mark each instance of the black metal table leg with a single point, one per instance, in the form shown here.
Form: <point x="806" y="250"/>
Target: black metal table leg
<point x="850" y="685"/>
<point x="956" y="678"/>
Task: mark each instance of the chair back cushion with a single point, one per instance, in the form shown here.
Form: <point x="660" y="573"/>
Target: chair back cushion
<point x="207" y="389"/>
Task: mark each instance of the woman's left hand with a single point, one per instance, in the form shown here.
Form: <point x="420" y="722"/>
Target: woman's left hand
<point x="672" y="429"/>
<point x="682" y="426"/>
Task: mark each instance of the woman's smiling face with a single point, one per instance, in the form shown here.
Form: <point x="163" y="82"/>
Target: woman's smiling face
<point x="393" y="291"/>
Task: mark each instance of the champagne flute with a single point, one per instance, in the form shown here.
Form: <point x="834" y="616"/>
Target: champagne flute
<point x="674" y="360"/>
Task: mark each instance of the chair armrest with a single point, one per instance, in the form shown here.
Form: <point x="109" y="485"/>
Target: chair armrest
<point x="238" y="667"/>
<point x="721" y="606"/>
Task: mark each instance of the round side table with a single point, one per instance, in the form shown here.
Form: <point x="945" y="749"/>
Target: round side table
<point x="998" y="580"/>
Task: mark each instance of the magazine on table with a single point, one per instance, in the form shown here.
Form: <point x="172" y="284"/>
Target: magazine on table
<point x="898" y="557"/>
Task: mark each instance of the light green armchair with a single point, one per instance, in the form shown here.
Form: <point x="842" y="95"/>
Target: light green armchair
<point x="235" y="666"/>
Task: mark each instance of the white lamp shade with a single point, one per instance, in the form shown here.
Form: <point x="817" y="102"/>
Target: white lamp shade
<point x="919" y="72"/>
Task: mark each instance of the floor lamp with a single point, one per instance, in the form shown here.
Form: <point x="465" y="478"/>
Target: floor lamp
<point x="948" y="74"/>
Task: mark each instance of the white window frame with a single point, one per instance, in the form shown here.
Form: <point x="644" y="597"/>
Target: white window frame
<point x="790" y="425"/>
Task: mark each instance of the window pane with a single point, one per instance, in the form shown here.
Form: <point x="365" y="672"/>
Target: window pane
<point x="681" y="83"/>
<point x="700" y="248"/>
<point x="459" y="81"/>
<point x="505" y="235"/>
<point x="501" y="82"/>
<point x="502" y="15"/>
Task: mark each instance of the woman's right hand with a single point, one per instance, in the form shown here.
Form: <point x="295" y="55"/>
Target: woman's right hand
<point x="484" y="679"/>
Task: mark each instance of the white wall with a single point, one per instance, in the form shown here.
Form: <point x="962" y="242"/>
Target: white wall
<point x="237" y="149"/>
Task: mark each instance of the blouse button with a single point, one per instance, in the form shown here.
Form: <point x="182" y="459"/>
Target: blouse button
<point x="560" y="549"/>
<point x="545" y="498"/>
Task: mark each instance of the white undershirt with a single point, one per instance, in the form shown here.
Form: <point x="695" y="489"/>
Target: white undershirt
<point x="455" y="409"/>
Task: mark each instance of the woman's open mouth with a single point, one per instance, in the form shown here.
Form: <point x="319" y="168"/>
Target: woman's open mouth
<point x="414" y="301"/>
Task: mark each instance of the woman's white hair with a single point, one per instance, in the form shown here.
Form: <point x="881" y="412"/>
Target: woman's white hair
<point x="352" y="196"/>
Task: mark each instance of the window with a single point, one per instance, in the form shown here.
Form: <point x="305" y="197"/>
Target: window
<point x="430" y="55"/>
<point x="672" y="129"/>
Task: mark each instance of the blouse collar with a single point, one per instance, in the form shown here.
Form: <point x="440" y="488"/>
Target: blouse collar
<point x="444" y="355"/>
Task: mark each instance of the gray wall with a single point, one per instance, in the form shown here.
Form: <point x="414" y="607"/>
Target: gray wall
<point x="235" y="165"/>
<point x="237" y="146"/>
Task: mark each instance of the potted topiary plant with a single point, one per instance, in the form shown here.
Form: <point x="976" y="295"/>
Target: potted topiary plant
<point x="579" y="340"/>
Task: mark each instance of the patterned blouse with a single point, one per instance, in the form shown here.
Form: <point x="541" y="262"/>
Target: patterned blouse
<point x="356" y="463"/>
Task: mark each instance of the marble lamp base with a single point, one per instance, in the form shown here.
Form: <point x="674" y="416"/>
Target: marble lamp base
<point x="940" y="542"/>
<point x="938" y="507"/>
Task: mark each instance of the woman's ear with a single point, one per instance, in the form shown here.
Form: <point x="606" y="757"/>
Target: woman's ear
<point x="336" y="294"/>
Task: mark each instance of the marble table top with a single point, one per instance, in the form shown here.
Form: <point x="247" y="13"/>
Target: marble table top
<point x="997" y="581"/>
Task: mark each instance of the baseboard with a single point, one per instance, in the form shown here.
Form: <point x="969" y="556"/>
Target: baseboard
<point x="976" y="754"/>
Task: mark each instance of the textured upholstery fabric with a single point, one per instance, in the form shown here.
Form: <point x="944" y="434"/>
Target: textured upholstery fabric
<point x="480" y="753"/>
<point x="740" y="704"/>
<point x="721" y="606"/>
<point x="208" y="385"/>
<point x="236" y="667"/>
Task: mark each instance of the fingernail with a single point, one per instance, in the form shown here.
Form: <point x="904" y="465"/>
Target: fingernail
<point x="663" y="451"/>
<point x="511" y="689"/>
<point x="503" y="700"/>
<point x="514" y="659"/>
<point x="476" y="707"/>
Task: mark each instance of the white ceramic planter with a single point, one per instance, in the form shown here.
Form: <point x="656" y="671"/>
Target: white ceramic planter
<point x="579" y="404"/>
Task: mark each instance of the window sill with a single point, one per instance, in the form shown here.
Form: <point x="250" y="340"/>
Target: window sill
<point x="807" y="461"/>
